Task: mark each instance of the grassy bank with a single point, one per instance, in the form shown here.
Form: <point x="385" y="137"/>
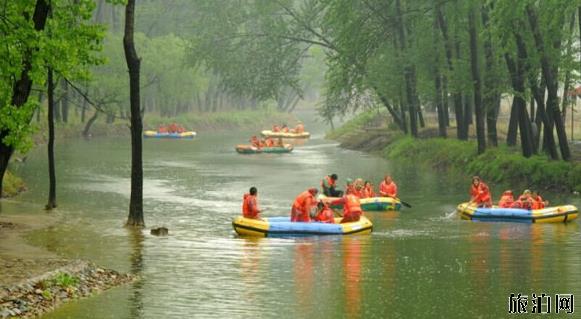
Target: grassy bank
<point x="502" y="164"/>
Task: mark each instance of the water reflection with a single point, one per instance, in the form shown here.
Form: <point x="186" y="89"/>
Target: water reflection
<point x="136" y="239"/>
<point x="304" y="276"/>
<point x="352" y="263"/>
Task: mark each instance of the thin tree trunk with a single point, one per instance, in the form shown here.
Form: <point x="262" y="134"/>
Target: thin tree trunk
<point x="92" y="119"/>
<point x="135" y="217"/>
<point x="51" y="169"/>
<point x="409" y="72"/>
<point x="22" y="86"/>
<point x="456" y="96"/>
<point x="445" y="102"/>
<point x="65" y="101"/>
<point x="550" y="75"/>
<point x="480" y="133"/>
<point x="491" y="98"/>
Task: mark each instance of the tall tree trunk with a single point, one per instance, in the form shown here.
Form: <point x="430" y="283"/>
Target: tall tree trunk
<point x="491" y="98"/>
<point x="65" y="101"/>
<point x="445" y="102"/>
<point x="439" y="99"/>
<point x="456" y="95"/>
<point x="480" y="134"/>
<point x="135" y="217"/>
<point x="39" y="108"/>
<point x="51" y="169"/>
<point x="22" y="86"/>
<point x="83" y="110"/>
<point x="512" y="124"/>
<point x="409" y="71"/>
<point x="550" y="75"/>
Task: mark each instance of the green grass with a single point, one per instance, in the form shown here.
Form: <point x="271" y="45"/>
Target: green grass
<point x="12" y="184"/>
<point x="500" y="164"/>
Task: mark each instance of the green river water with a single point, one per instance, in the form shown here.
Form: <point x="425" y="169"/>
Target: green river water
<point x="422" y="262"/>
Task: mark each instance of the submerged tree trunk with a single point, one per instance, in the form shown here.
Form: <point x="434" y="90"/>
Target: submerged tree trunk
<point x="480" y="134"/>
<point x="21" y="87"/>
<point x="51" y="169"/>
<point x="135" y="217"/>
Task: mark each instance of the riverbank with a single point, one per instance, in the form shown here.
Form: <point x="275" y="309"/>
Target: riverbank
<point x="34" y="280"/>
<point x="370" y="132"/>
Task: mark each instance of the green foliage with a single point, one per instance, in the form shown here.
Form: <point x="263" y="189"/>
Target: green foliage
<point x="496" y="165"/>
<point x="67" y="44"/>
<point x="65" y="280"/>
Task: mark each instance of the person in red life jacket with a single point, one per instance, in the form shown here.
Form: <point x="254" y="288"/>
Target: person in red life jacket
<point x="349" y="187"/>
<point x="262" y="143"/>
<point x="480" y="193"/>
<point x="329" y="186"/>
<point x="250" y="207"/>
<point x="303" y="205"/>
<point x="324" y="214"/>
<point x="387" y="187"/>
<point x="269" y="142"/>
<point x="351" y="208"/>
<point x="358" y="188"/>
<point x="525" y="200"/>
<point x="173" y="128"/>
<point x="368" y="191"/>
<point x="162" y="129"/>
<point x="538" y="202"/>
<point x="276" y="128"/>
<point x="255" y="141"/>
<point x="300" y="128"/>
<point x="506" y="200"/>
<point x="180" y="129"/>
<point x="284" y="129"/>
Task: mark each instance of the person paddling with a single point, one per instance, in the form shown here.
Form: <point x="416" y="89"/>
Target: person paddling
<point x="250" y="207"/>
<point x="480" y="193"/>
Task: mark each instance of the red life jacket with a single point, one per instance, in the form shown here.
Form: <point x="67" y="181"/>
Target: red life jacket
<point x="506" y="201"/>
<point x="526" y="203"/>
<point x="250" y="206"/>
<point x="538" y="203"/>
<point x="326" y="216"/>
<point x="302" y="206"/>
<point x="351" y="208"/>
<point x="481" y="194"/>
<point x="388" y="190"/>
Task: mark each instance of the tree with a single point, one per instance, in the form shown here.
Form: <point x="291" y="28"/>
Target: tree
<point x="19" y="70"/>
<point x="136" y="201"/>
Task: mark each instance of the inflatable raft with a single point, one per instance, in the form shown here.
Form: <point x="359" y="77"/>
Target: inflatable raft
<point x="249" y="149"/>
<point x="282" y="226"/>
<point x="156" y="134"/>
<point x="556" y="214"/>
<point x="372" y="204"/>
<point x="269" y="133"/>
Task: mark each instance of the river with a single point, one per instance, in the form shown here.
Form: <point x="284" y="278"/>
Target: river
<point x="422" y="262"/>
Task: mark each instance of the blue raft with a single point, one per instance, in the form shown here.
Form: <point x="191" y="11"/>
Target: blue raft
<point x="555" y="214"/>
<point x="282" y="226"/>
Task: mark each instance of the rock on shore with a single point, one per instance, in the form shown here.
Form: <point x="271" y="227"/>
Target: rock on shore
<point x="41" y="294"/>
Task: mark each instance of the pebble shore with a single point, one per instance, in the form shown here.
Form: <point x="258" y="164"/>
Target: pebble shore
<point x="35" y="296"/>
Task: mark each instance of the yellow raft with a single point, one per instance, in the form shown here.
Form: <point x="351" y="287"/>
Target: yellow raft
<point x="156" y="134"/>
<point x="555" y="214"/>
<point x="282" y="226"/>
<point x="269" y="133"/>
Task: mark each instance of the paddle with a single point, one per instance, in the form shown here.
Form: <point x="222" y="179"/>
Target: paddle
<point x="406" y="204"/>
